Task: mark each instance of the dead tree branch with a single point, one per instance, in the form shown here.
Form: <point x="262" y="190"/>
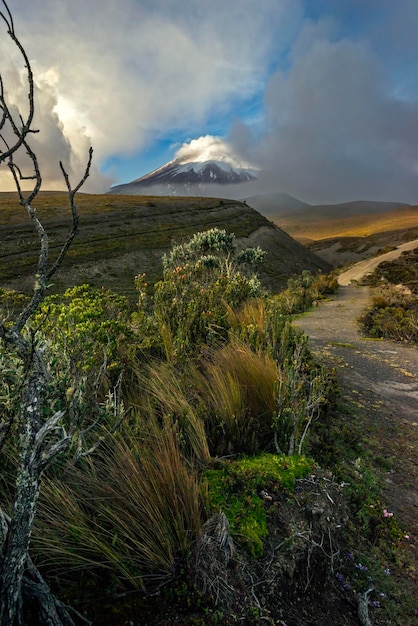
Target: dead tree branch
<point x="40" y="440"/>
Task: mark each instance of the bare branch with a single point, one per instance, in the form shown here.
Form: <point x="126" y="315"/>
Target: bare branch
<point x="7" y="116"/>
<point x="74" y="212"/>
<point x="40" y="439"/>
<point x="9" y="19"/>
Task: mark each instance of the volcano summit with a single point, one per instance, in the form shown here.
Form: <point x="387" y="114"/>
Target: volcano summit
<point x="206" y="174"/>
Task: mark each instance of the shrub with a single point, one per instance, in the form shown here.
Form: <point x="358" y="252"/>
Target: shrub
<point x="402" y="270"/>
<point x="303" y="290"/>
<point x="87" y="324"/>
<point x="393" y="314"/>
<point x="201" y="278"/>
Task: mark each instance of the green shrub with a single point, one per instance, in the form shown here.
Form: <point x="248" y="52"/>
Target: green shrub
<point x="393" y="314"/>
<point x="87" y="324"/>
<point x="11" y="303"/>
<point x="402" y="270"/>
<point x="201" y="279"/>
<point x="303" y="290"/>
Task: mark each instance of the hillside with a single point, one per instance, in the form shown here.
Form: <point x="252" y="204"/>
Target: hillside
<point x="325" y="222"/>
<point x="345" y="235"/>
<point x="122" y="236"/>
<point x="340" y="251"/>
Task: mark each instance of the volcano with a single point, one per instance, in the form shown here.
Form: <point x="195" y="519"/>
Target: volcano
<point x="215" y="178"/>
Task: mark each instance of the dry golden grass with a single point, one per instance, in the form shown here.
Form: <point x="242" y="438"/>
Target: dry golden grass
<point x="317" y="227"/>
<point x="240" y="390"/>
<point x="165" y="395"/>
<point x="132" y="511"/>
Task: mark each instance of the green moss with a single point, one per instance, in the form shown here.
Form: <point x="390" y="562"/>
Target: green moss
<point x="235" y="487"/>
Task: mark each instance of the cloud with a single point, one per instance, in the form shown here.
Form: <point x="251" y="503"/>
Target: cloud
<point x="209" y="148"/>
<point x="122" y="73"/>
<point x="334" y="130"/>
<point x="335" y="85"/>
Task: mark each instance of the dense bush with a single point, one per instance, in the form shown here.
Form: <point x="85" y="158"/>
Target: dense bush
<point x="304" y="290"/>
<point x="88" y="323"/>
<point x="402" y="270"/>
<point x="393" y="314"/>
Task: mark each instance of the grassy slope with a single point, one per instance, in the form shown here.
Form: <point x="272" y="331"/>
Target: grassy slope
<point x="122" y="236"/>
<point x="315" y="225"/>
<point x="351" y="238"/>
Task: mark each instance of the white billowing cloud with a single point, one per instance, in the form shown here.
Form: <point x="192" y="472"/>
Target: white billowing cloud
<point x="334" y="130"/>
<point x="341" y="115"/>
<point x="51" y="144"/>
<point x="210" y="148"/>
<point x="117" y="74"/>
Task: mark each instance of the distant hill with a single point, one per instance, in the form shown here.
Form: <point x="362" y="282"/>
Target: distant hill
<point x="279" y="204"/>
<point x="340" y="251"/>
<point x="122" y="236"/>
<point x="276" y="203"/>
<point x="341" y="233"/>
<point x="351" y="209"/>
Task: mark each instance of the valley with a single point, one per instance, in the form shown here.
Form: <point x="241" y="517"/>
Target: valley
<point x="343" y="238"/>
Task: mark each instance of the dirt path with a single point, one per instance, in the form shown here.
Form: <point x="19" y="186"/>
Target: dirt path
<point x="379" y="385"/>
<point x="368" y="265"/>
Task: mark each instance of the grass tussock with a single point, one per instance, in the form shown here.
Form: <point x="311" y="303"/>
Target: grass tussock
<point x="240" y="387"/>
<point x="169" y="396"/>
<point x="130" y="513"/>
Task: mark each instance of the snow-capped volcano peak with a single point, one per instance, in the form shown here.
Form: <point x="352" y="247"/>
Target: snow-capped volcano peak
<point x="211" y="165"/>
<point x="197" y="169"/>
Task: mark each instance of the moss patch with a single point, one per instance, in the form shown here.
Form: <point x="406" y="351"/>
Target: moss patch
<point x="240" y="489"/>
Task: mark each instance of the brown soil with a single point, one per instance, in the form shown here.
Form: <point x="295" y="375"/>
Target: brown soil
<point x="379" y="383"/>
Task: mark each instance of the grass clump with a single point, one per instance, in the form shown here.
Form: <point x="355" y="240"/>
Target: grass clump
<point x="127" y="516"/>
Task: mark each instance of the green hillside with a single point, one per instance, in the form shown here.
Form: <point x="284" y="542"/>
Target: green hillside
<point x="122" y="236"/>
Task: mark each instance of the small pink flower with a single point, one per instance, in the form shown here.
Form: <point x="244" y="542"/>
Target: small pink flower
<point x="387" y="514"/>
<point x="371" y="506"/>
<point x="406" y="536"/>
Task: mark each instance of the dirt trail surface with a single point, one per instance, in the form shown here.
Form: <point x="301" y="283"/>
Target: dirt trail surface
<point x="379" y="386"/>
<point x="368" y="265"/>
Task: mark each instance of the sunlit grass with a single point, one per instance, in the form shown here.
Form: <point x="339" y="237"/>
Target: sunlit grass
<point x="240" y="389"/>
<point x="316" y="227"/>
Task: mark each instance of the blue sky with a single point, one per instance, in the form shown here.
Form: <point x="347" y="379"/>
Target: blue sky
<point x="321" y="95"/>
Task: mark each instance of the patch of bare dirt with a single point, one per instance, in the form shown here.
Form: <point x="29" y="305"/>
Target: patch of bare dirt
<point x="379" y="382"/>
